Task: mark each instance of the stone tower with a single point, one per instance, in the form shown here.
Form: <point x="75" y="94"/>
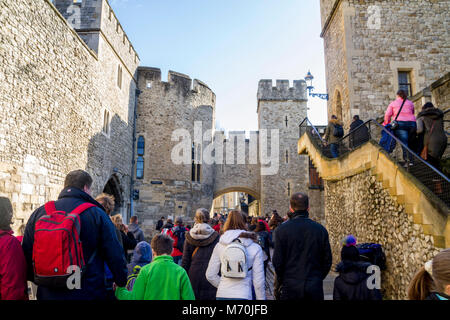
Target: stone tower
<point x="168" y="112"/>
<point x="281" y="109"/>
<point x="373" y="48"/>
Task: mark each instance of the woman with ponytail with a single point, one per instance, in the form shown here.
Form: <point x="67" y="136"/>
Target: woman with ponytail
<point x="432" y="281"/>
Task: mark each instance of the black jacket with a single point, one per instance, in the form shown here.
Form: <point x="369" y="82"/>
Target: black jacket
<point x="351" y="284"/>
<point x="302" y="258"/>
<point x="360" y="136"/>
<point x="129" y="242"/>
<point x="196" y="266"/>
<point x="97" y="233"/>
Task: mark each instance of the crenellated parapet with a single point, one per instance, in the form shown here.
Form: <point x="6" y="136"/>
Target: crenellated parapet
<point x="282" y="91"/>
<point x="197" y="91"/>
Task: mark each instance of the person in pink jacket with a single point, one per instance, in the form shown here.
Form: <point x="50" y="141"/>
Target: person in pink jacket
<point x="406" y="120"/>
<point x="13" y="274"/>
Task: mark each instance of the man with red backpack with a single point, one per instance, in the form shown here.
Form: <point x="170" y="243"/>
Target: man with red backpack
<point x="67" y="242"/>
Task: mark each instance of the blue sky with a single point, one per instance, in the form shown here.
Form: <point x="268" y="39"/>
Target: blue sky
<point x="230" y="45"/>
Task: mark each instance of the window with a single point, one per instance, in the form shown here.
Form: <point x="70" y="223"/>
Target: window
<point x="140" y="146"/>
<point x="286" y="121"/>
<point x="404" y="82"/>
<point x="119" y="77"/>
<point x="106" y="123"/>
<point x="315" y="181"/>
<point x="289" y="188"/>
<point x="140" y="167"/>
<point x="196" y="166"/>
<point x="287" y="156"/>
<point x="148" y="84"/>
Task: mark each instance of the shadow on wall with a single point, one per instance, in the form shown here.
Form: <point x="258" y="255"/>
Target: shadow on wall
<point x="109" y="161"/>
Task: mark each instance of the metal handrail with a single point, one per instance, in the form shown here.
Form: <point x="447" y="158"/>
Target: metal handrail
<point x="392" y="136"/>
<point x="314" y="128"/>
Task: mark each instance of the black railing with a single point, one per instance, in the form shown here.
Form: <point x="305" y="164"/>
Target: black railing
<point x="437" y="182"/>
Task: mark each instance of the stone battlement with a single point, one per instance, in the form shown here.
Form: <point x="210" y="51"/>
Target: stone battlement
<point x="149" y="77"/>
<point x="90" y="18"/>
<point x="282" y="91"/>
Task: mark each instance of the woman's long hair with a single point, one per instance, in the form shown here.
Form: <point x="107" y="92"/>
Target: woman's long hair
<point x="235" y="221"/>
<point x="424" y="283"/>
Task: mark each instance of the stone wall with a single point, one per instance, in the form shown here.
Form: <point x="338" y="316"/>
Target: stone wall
<point x="359" y="205"/>
<point x="364" y="57"/>
<point x="53" y="95"/>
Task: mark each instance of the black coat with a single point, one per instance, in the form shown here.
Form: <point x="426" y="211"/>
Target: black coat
<point x="196" y="266"/>
<point x="129" y="241"/>
<point x="351" y="284"/>
<point x="97" y="234"/>
<point x="360" y="136"/>
<point x="302" y="258"/>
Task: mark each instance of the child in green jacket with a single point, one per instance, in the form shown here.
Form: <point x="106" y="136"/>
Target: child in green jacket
<point x="162" y="279"/>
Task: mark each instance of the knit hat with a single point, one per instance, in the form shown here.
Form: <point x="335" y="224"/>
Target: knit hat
<point x="349" y="250"/>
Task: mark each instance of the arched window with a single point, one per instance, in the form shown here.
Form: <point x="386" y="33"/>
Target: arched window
<point x="119" y="76"/>
<point x="140" y="168"/>
<point x="287" y="156"/>
<point x="140" y="146"/>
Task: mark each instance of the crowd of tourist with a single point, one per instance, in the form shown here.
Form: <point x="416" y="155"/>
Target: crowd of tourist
<point x="183" y="262"/>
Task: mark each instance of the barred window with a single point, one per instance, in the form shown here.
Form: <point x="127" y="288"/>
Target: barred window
<point x="404" y="82"/>
<point x="140" y="146"/>
<point x="140" y="168"/>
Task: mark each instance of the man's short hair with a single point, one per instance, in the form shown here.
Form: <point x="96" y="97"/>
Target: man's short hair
<point x="162" y="244"/>
<point x="178" y="220"/>
<point x="78" y="179"/>
<point x="333" y="117"/>
<point x="134" y="219"/>
<point x="299" y="201"/>
<point x="162" y="218"/>
<point x="356" y="117"/>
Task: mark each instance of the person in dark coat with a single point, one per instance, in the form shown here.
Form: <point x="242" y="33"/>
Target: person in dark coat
<point x="160" y="224"/>
<point x="302" y="255"/>
<point x="430" y="123"/>
<point x="198" y="247"/>
<point x="97" y="235"/>
<point x="128" y="240"/>
<point x="359" y="136"/>
<point x="135" y="230"/>
<point x="264" y="240"/>
<point x="351" y="284"/>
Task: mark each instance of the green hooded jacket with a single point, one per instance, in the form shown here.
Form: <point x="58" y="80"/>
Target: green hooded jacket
<point x="162" y="279"/>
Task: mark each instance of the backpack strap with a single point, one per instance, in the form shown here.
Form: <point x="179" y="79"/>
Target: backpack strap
<point x="83" y="207"/>
<point x="50" y="207"/>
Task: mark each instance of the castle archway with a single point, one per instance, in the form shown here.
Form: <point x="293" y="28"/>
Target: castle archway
<point x="114" y="188"/>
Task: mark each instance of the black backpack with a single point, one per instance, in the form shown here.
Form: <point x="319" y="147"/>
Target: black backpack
<point x="180" y="234"/>
<point x="372" y="253"/>
<point x="338" y="131"/>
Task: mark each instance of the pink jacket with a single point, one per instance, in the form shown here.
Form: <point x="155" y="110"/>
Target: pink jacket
<point x="407" y="113"/>
<point x="13" y="271"/>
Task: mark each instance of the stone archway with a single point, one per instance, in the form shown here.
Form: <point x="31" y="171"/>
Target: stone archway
<point x="252" y="194"/>
<point x="114" y="188"/>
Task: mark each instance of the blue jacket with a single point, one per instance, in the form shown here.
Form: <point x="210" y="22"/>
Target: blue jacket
<point x="97" y="233"/>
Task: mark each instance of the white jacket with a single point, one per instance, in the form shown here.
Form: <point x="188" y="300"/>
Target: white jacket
<point x="238" y="288"/>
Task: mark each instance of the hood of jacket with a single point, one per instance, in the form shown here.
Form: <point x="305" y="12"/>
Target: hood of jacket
<point x="432" y="113"/>
<point x="247" y="238"/>
<point x="201" y="235"/>
<point x="142" y="254"/>
<point x="352" y="272"/>
<point x="201" y="231"/>
<point x="132" y="227"/>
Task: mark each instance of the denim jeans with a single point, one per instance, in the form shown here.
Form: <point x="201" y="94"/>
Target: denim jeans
<point x="334" y="148"/>
<point x="403" y="132"/>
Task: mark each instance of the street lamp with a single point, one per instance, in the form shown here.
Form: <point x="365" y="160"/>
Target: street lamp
<point x="309" y="79"/>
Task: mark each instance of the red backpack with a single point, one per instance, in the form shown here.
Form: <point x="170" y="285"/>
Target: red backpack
<point x="57" y="245"/>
